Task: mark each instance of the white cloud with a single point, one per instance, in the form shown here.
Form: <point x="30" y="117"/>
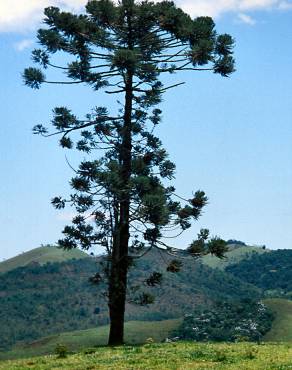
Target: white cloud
<point x="244" y="18"/>
<point x="212" y="8"/>
<point x="66" y="216"/>
<point x="257" y="4"/>
<point x="23" y="44"/>
<point x="216" y="8"/>
<point x="285" y="5"/>
<point x="22" y="15"/>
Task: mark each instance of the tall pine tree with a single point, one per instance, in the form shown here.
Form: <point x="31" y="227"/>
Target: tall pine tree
<point x="121" y="198"/>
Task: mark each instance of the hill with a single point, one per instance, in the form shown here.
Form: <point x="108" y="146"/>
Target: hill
<point x="38" y="300"/>
<point x="167" y="356"/>
<point x="40" y="256"/>
<point x="282" y="326"/>
<point x="235" y="254"/>
<point x="271" y="272"/>
<point x="136" y="332"/>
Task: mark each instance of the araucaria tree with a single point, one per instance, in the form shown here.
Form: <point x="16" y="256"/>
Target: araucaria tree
<point x="122" y="197"/>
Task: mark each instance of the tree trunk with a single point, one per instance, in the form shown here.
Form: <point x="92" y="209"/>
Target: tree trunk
<point x="119" y="263"/>
<point x="117" y="300"/>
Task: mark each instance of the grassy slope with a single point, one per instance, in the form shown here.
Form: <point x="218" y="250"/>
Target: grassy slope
<point x="235" y="255"/>
<point x="135" y="332"/>
<point x="40" y="255"/>
<point x="180" y="355"/>
<point x="282" y="327"/>
<point x="138" y="331"/>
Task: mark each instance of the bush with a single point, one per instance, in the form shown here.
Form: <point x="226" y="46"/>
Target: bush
<point x="61" y="351"/>
<point x="227" y="322"/>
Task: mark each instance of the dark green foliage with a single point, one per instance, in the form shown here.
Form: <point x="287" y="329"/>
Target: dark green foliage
<point x="236" y="242"/>
<point x="33" y="77"/>
<point x="217" y="247"/>
<point x="244" y="320"/>
<point x="154" y="279"/>
<point x="270" y="271"/>
<point x="202" y="246"/>
<point x="144" y="299"/>
<point x="61" y="351"/>
<point x="174" y="266"/>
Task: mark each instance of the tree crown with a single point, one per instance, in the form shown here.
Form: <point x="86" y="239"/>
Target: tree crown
<point x="124" y="49"/>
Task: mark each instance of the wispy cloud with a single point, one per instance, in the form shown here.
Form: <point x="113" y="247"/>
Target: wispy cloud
<point x="23" y="44"/>
<point x="244" y="18"/>
<point x="69" y="215"/>
<point x="285" y="5"/>
<point x="23" y="15"/>
<point x="66" y="216"/>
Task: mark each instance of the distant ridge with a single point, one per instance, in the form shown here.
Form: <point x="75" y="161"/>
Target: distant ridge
<point x="41" y="256"/>
<point x="235" y="254"/>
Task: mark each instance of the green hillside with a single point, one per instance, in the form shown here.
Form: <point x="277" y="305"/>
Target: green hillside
<point x="136" y="332"/>
<point x="234" y="255"/>
<point x="40" y="256"/>
<point x="282" y="326"/>
<point x="271" y="272"/>
<point x="46" y="299"/>
<point x="167" y="356"/>
<point x="53" y="298"/>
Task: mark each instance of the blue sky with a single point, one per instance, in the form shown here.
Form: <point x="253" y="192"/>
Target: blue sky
<point x="230" y="137"/>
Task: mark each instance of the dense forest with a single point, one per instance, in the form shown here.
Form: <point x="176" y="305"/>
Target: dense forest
<point x="56" y="297"/>
<point x="271" y="272"/>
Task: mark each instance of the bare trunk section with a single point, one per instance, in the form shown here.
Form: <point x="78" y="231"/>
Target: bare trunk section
<point x="119" y="265"/>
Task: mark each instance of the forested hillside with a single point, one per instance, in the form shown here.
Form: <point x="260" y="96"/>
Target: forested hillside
<point x="271" y="272"/>
<point x="56" y="297"/>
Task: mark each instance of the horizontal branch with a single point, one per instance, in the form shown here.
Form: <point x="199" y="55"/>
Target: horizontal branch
<point x="88" y="124"/>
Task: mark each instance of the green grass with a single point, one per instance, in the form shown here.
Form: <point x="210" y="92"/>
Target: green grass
<point x="41" y="255"/>
<point x="136" y="332"/>
<point x="235" y="255"/>
<point x="282" y="326"/>
<point x="173" y="356"/>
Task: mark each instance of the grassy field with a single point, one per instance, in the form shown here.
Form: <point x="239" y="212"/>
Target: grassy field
<point x="282" y="326"/>
<point x="174" y="356"/>
<point x="41" y="255"/>
<point x="136" y="332"/>
<point x="235" y="255"/>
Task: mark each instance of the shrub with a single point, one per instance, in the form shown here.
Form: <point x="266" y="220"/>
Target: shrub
<point x="61" y="351"/>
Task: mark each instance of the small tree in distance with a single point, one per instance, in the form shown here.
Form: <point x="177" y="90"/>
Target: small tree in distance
<point x="121" y="198"/>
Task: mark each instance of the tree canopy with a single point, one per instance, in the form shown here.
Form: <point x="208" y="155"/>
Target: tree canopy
<point x="123" y="197"/>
